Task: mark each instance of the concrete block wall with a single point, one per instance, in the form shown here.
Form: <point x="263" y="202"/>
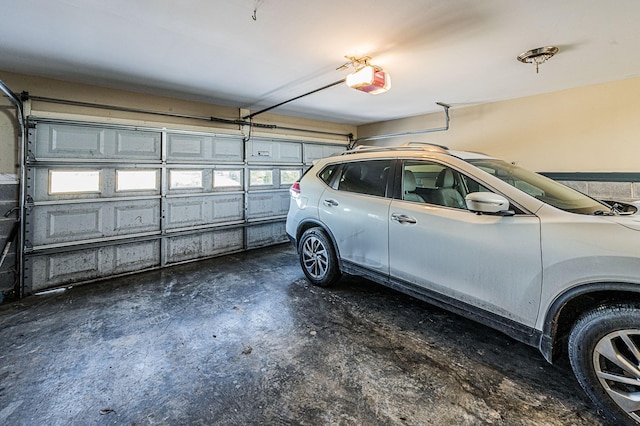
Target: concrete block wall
<point x="9" y="198"/>
<point x="618" y="191"/>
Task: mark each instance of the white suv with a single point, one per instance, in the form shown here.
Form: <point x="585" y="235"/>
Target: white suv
<point x="488" y="240"/>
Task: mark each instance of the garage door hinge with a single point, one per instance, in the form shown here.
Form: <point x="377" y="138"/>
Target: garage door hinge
<point x="28" y="204"/>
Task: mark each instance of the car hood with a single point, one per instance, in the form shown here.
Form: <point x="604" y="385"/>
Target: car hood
<point x="631" y="221"/>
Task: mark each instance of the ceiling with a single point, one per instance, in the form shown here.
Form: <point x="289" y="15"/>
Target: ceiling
<point x="460" y="52"/>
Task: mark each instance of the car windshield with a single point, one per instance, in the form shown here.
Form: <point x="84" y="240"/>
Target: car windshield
<point x="542" y="188"/>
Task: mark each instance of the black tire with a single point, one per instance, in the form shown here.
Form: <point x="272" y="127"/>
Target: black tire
<point x="599" y="337"/>
<point x="318" y="258"/>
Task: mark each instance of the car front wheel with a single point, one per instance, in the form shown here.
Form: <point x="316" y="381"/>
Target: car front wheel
<point x="604" y="349"/>
<point x="318" y="258"/>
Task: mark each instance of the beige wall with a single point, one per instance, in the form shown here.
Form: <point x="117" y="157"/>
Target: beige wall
<point x="589" y="129"/>
<point x="42" y="87"/>
<point x="8" y="137"/>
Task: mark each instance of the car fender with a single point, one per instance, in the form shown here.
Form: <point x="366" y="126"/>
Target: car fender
<point x="558" y="322"/>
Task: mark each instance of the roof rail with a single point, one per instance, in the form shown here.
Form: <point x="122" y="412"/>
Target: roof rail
<point x="408" y="146"/>
<point x="425" y="144"/>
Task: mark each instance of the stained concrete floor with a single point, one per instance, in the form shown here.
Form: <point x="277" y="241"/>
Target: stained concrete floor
<point x="245" y="339"/>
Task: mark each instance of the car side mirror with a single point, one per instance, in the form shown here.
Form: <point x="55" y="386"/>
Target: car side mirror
<point x="627" y="209"/>
<point x="488" y="203"/>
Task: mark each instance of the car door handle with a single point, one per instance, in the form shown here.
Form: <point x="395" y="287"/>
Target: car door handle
<point x="402" y="218"/>
<point x="330" y="203"/>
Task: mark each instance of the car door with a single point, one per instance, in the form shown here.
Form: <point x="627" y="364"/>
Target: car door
<point x="490" y="262"/>
<point x="355" y="210"/>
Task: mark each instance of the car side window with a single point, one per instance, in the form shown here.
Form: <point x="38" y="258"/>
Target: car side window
<point x="328" y="173"/>
<point x="365" y="177"/>
<point x="433" y="183"/>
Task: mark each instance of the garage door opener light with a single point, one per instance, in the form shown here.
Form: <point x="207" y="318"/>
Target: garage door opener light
<point x="368" y="78"/>
<point x="538" y="56"/>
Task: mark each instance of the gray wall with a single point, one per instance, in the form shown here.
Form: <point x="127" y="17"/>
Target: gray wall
<point x="618" y="191"/>
<point x="624" y="186"/>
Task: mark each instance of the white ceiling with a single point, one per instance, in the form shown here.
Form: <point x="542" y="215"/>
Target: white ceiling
<point x="460" y="52"/>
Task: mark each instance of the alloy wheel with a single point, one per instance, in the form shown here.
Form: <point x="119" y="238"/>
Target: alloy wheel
<point x="616" y="360"/>
<point x="315" y="257"/>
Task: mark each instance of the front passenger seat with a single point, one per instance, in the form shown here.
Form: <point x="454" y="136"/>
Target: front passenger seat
<point x="409" y="183"/>
<point x="446" y="194"/>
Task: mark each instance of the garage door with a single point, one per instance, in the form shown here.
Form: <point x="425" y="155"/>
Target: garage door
<point x="109" y="200"/>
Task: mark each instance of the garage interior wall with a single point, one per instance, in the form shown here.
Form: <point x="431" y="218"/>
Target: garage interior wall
<point x="586" y="137"/>
<point x="76" y="237"/>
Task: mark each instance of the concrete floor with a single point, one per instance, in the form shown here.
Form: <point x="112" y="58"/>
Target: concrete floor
<point x="245" y="339"/>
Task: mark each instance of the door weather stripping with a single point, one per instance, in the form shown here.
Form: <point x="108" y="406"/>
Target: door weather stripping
<point x="414" y="132"/>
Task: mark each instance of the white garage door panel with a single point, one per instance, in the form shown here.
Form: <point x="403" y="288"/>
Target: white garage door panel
<point x="137" y="144"/>
<point x="266" y="234"/>
<point x="136" y="217"/>
<point x="65" y="141"/>
<point x="228" y="150"/>
<point x="183" y="212"/>
<point x="273" y="151"/>
<point x="188" y="147"/>
<point x="204" y="244"/>
<point x="64" y="223"/>
<point x="228" y="208"/>
<point x="60" y="223"/>
<point x="61" y="141"/>
<point x="315" y="152"/>
<point x="90" y="263"/>
<point x="268" y="203"/>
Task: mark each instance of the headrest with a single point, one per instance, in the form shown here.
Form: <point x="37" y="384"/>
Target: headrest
<point x="409" y="181"/>
<point x="353" y="172"/>
<point x="445" y="179"/>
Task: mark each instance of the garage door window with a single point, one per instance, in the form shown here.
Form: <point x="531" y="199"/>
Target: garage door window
<point x="288" y="177"/>
<point x="136" y="180"/>
<point x="182" y="179"/>
<point x="261" y="177"/>
<point x="227" y="178"/>
<point x="74" y="181"/>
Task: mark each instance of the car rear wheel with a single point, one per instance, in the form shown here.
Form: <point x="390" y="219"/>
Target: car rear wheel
<point x="604" y="349"/>
<point x="318" y="258"/>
